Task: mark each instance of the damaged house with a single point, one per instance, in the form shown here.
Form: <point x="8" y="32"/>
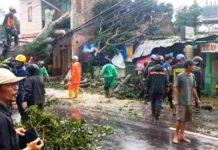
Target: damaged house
<point x="33" y="19"/>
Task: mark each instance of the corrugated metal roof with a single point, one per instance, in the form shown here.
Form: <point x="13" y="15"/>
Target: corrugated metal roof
<point x="146" y="48"/>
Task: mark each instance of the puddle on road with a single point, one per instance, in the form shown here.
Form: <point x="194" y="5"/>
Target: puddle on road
<point x="134" y="133"/>
<point x="213" y="116"/>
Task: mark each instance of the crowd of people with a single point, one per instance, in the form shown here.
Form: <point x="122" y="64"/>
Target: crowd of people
<point x="178" y="79"/>
<point x="21" y="86"/>
<point x="181" y="82"/>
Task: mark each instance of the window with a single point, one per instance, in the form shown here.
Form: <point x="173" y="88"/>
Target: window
<point x="30" y="14"/>
<point x="78" y="6"/>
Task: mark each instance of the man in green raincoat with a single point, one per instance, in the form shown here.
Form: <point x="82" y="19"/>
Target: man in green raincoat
<point x="109" y="73"/>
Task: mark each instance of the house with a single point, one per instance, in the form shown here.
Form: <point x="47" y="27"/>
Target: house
<point x="32" y="18"/>
<point x="207" y="48"/>
<point x="209" y="18"/>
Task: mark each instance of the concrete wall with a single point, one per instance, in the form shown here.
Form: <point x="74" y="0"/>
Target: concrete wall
<point x="27" y="28"/>
<point x="61" y="56"/>
<point x="64" y="50"/>
<point x="82" y="11"/>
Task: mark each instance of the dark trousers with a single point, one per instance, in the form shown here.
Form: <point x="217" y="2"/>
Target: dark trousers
<point x="23" y="114"/>
<point x="30" y="103"/>
<point x="107" y="91"/>
<point x="198" y="89"/>
<point x="11" y="33"/>
<point x="169" y="95"/>
<point x="156" y="101"/>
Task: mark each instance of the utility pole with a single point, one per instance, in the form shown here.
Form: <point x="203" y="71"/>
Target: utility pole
<point x="195" y="2"/>
<point x="206" y="2"/>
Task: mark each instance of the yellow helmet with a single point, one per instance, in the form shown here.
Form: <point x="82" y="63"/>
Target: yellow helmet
<point x="21" y="58"/>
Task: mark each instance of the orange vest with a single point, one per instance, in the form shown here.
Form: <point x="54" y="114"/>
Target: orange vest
<point x="10" y="22"/>
<point x="75" y="75"/>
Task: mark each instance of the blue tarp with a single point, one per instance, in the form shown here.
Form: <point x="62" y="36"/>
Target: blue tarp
<point x="123" y="50"/>
<point x="89" y="48"/>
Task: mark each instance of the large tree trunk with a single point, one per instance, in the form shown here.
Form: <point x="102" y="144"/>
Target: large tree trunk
<point x="48" y="30"/>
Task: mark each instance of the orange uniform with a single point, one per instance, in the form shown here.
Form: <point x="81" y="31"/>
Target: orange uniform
<point x="74" y="85"/>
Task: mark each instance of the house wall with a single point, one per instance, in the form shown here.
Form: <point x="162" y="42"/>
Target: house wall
<point x="82" y="11"/>
<point x="64" y="50"/>
<point x="68" y="46"/>
<point x="30" y="28"/>
<point x="61" y="56"/>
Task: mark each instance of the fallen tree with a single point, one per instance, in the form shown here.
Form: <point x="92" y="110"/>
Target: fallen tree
<point x="42" y="46"/>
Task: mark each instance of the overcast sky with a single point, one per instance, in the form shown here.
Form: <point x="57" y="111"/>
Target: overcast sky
<point x="5" y="4"/>
<point x="180" y="3"/>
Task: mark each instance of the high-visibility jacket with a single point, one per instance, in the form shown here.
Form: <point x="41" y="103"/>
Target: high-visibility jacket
<point x="9" y="21"/>
<point x="75" y="75"/>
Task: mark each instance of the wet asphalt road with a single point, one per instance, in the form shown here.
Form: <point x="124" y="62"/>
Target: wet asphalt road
<point x="138" y="134"/>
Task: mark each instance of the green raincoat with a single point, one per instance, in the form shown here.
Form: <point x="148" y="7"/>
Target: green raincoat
<point x="109" y="74"/>
<point x="43" y="72"/>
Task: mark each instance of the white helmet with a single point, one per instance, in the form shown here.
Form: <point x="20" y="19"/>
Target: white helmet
<point x="153" y="56"/>
<point x="161" y="58"/>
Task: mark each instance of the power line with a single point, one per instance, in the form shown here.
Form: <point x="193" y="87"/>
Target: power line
<point x="124" y="14"/>
<point x="90" y="22"/>
<point x="87" y="24"/>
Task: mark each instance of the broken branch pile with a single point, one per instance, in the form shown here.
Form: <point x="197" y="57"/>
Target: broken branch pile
<point x="129" y="87"/>
<point x="64" y="134"/>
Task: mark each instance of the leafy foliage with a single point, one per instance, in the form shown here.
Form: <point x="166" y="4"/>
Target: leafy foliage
<point x="38" y="49"/>
<point x="188" y="16"/>
<point x="64" y="135"/>
<point x="120" y="24"/>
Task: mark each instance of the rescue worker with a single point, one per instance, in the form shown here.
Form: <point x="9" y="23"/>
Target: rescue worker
<point x="109" y="73"/>
<point x="151" y="64"/>
<point x="20" y="71"/>
<point x="168" y="69"/>
<point x="157" y="85"/>
<point x="198" y="76"/>
<point x="179" y="66"/>
<point x="74" y="79"/>
<point x="43" y="70"/>
<point x="9" y="24"/>
<point x="162" y="60"/>
<point x="8" y="133"/>
<point x="34" y="87"/>
<point x="184" y="93"/>
<point x="198" y="73"/>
